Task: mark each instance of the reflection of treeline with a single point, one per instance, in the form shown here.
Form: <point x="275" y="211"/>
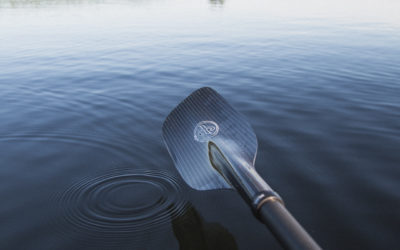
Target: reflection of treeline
<point x="43" y="3"/>
<point x="47" y="3"/>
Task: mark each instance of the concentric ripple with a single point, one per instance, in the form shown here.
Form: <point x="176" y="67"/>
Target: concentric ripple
<point x="120" y="205"/>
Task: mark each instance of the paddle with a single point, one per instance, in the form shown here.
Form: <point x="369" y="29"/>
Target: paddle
<point x="214" y="147"/>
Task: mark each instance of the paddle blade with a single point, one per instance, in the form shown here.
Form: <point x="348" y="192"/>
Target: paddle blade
<point x="202" y="117"/>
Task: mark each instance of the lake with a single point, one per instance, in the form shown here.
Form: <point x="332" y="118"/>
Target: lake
<point x="85" y="86"/>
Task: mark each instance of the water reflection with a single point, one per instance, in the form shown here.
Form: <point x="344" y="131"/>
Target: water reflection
<point x="49" y="3"/>
<point x="193" y="233"/>
<point x="43" y="3"/>
<point x="85" y="87"/>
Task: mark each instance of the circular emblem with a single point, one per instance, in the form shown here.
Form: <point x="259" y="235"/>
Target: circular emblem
<point x="205" y="130"/>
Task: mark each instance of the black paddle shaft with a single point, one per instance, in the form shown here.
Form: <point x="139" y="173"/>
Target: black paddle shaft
<point x="285" y="227"/>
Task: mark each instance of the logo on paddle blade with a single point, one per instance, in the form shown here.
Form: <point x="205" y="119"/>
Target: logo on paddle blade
<point x="205" y="130"/>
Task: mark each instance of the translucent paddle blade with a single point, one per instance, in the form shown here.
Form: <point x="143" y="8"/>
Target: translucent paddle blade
<point x="202" y="117"/>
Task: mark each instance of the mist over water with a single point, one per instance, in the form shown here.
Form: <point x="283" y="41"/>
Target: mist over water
<point x="86" y="85"/>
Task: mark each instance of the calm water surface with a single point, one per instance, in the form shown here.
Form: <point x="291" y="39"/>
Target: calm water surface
<point x="86" y="85"/>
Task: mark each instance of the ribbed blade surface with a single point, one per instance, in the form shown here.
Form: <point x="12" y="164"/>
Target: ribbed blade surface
<point x="203" y="116"/>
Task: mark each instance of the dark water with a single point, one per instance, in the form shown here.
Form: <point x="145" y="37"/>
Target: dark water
<point x="86" y="85"/>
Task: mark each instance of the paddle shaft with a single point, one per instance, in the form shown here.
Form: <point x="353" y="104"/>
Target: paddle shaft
<point x="285" y="227"/>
